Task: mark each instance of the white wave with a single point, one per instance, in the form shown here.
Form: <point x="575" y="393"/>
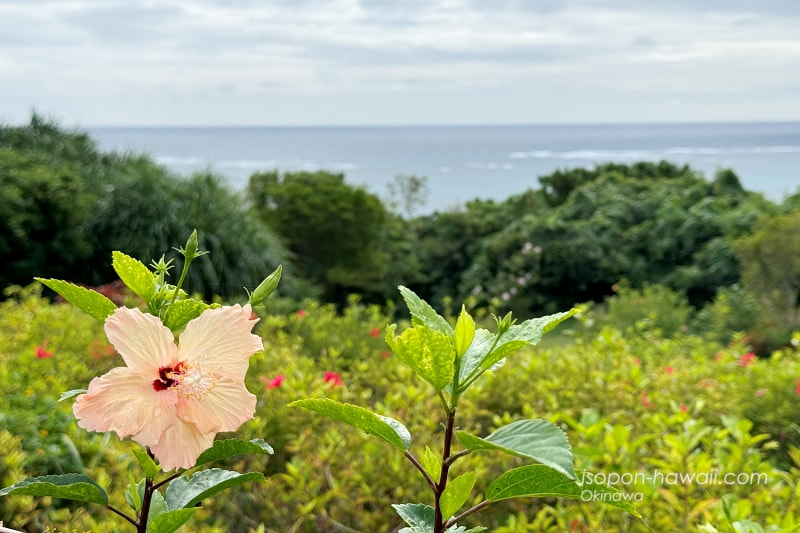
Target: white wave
<point x="177" y="161"/>
<point x="247" y="163"/>
<point x="657" y="153"/>
<point x="489" y="165"/>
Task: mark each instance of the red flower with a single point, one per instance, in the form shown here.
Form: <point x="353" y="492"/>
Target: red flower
<point x="645" y="400"/>
<point x="273" y="383"/>
<point x="333" y="378"/>
<point x="683" y="408"/>
<point x="797" y="390"/>
<point x="669" y="369"/>
<point x="41" y="353"/>
<point x="301" y="313"/>
<point x="100" y="349"/>
<point x="637" y="361"/>
<point x="746" y="359"/>
<point x="385" y="354"/>
<point x="374" y="332"/>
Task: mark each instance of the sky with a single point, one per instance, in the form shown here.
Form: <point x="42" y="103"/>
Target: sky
<point x="398" y="62"/>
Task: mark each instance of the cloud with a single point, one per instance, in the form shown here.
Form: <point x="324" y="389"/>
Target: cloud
<point x="76" y="54"/>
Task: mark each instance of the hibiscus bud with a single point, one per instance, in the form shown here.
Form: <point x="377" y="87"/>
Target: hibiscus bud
<point x="191" y="246"/>
<point x="267" y="287"/>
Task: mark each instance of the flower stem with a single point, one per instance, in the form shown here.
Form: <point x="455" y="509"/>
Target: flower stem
<point x="438" y="519"/>
<point x="468" y="512"/>
<point x="120" y="513"/>
<point x="141" y="526"/>
<point x="421" y="468"/>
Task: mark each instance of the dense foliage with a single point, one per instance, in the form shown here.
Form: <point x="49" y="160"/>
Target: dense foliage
<point x="630" y="399"/>
<point x="685" y="279"/>
<point x="65" y="206"/>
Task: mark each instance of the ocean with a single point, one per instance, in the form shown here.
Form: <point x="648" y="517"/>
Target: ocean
<point x="462" y="163"/>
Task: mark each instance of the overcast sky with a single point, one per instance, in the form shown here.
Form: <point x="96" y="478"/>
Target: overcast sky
<point x="384" y="62"/>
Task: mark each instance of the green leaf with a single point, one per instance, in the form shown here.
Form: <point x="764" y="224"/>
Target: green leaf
<point x="539" y="481"/>
<point x="77" y="487"/>
<point x="535" y="439"/>
<point x="418" y="516"/>
<point x="464" y="332"/>
<point x="135" y="275"/>
<point x="476" y="353"/>
<point x="456" y="493"/>
<point x="158" y="507"/>
<point x="529" y="332"/>
<point x="430" y="354"/>
<point x="184" y="492"/>
<point x="148" y="465"/>
<point x="71" y="394"/>
<point x="223" y="449"/>
<point x="90" y="302"/>
<point x="135" y="492"/>
<point x="432" y="463"/>
<point x="171" y="521"/>
<point x="424" y="313"/>
<point x="383" y="427"/>
<point x="182" y="311"/>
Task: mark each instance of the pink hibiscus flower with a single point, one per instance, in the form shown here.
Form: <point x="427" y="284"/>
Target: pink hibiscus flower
<point x="174" y="399"/>
<point x="41" y="353"/>
<point x="746" y="359"/>
<point x="273" y="383"/>
<point x="333" y="378"/>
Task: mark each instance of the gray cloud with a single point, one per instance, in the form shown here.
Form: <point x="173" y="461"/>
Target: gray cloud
<point x="91" y="59"/>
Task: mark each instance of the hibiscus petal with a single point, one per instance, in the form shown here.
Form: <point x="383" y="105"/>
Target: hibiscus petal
<point x="221" y="338"/>
<point x="181" y="445"/>
<point x="226" y="407"/>
<point x="142" y="340"/>
<point x="124" y="402"/>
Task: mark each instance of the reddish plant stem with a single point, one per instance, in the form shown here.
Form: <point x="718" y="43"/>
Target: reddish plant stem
<point x="141" y="526"/>
<point x="438" y="519"/>
<point x="468" y="512"/>
<point x="120" y="513"/>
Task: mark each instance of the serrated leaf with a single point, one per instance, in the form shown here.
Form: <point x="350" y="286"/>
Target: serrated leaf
<point x="535" y="439"/>
<point x="135" y="275"/>
<point x="147" y="463"/>
<point x="418" y="516"/>
<point x="185" y="492"/>
<point x="182" y="311"/>
<point x="71" y="394"/>
<point x="135" y="492"/>
<point x="158" y="507"/>
<point x="475" y="354"/>
<point x="223" y="449"/>
<point x="429" y="353"/>
<point x="424" y="313"/>
<point x="456" y="493"/>
<point x="464" y="332"/>
<point x="539" y="481"/>
<point x="432" y="463"/>
<point x="77" y="487"/>
<point x="171" y="521"/>
<point x="385" y="428"/>
<point x="90" y="302"/>
<point x="520" y="335"/>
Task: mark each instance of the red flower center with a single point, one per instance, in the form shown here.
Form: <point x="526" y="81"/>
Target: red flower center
<point x="167" y="375"/>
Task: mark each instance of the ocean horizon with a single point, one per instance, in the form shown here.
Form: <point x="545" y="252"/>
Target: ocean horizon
<point x="462" y="163"/>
